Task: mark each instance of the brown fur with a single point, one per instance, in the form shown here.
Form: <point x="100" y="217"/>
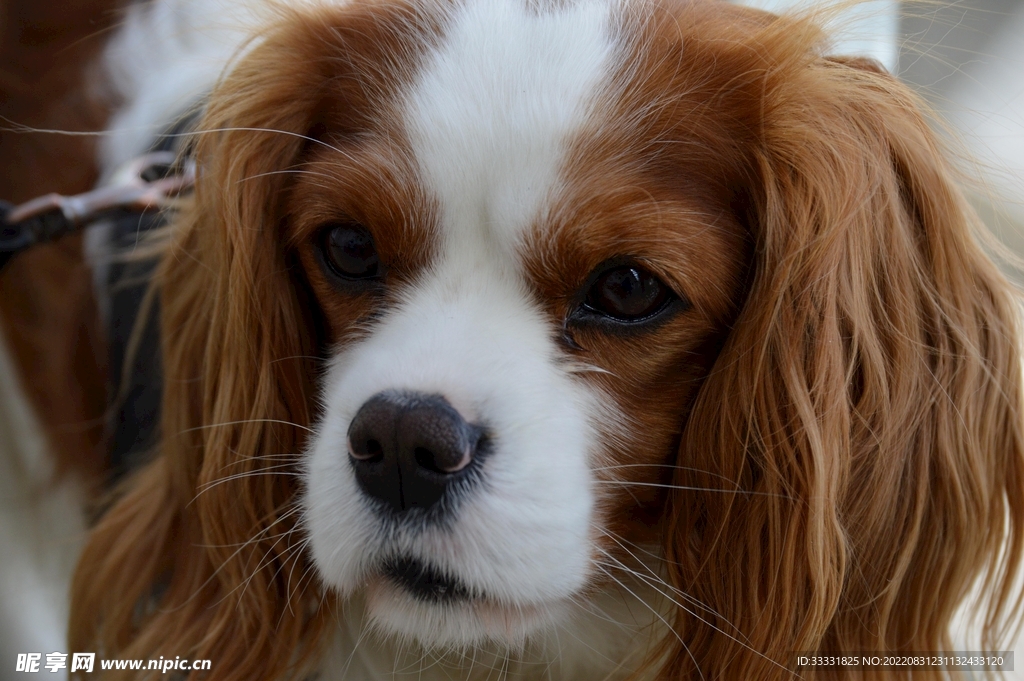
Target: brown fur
<point x="836" y="418"/>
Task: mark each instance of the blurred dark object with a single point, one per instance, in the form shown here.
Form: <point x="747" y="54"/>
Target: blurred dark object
<point x="49" y="80"/>
<point x="144" y="186"/>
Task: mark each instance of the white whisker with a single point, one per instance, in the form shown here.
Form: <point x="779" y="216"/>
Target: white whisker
<point x="242" y="421"/>
<point x="619" y="565"/>
<point x="628" y="483"/>
<point x="657" y="614"/>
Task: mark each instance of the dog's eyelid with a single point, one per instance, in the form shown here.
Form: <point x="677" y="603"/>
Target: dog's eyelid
<point x="664" y="274"/>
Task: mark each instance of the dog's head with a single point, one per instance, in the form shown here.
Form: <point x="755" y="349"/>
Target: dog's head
<point x="482" y="309"/>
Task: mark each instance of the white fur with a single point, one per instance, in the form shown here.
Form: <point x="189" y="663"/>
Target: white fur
<point x="165" y="59"/>
<point x="523" y="538"/>
<point x="42" y="526"/>
<point x="604" y="640"/>
<point x="489" y="118"/>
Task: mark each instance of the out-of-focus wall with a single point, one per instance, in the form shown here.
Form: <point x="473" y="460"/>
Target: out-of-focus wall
<point x="967" y="59"/>
<point x="868" y="28"/>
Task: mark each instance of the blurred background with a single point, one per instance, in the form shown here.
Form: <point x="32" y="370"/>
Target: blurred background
<point x="966" y="58"/>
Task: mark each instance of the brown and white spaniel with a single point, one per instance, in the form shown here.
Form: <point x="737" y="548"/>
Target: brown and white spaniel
<point x="555" y="339"/>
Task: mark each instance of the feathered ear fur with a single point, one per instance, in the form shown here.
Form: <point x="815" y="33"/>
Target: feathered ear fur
<point x="867" y="401"/>
<point x="201" y="558"/>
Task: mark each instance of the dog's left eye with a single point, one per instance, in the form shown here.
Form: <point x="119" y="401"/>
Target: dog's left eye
<point x="349" y="251"/>
<point x="628" y="293"/>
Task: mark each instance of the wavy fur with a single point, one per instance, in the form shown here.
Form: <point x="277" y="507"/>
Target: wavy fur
<point x="868" y="391"/>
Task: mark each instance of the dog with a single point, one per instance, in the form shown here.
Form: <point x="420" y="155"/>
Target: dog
<point x="574" y="339"/>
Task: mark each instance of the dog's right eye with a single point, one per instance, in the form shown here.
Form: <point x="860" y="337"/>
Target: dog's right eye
<point x="349" y="252"/>
<point x="622" y="295"/>
<point x="627" y="294"/>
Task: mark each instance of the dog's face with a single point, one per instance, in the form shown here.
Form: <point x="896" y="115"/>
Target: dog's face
<point x="523" y="282"/>
<point x="482" y="308"/>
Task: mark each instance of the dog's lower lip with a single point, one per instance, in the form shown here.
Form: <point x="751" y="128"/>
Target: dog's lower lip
<point x="424" y="581"/>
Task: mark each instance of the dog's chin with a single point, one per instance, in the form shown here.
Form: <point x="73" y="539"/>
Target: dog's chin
<point x="415" y="602"/>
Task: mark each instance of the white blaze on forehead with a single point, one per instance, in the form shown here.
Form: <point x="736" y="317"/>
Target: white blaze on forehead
<point x="489" y="119"/>
<point x="494" y="105"/>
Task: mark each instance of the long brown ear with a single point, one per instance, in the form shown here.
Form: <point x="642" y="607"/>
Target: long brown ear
<point x="867" y="402"/>
<point x="201" y="557"/>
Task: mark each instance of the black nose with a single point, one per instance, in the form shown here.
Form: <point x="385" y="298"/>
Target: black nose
<point x="408" y="447"/>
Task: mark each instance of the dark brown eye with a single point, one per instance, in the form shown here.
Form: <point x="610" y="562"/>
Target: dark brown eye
<point x="627" y="294"/>
<point x="349" y="252"/>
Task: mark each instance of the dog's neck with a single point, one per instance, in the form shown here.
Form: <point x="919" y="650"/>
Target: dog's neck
<point x="605" y="639"/>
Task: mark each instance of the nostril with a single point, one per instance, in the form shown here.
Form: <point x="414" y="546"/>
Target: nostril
<point x="432" y="462"/>
<point x="365" y="450"/>
<point x="425" y="458"/>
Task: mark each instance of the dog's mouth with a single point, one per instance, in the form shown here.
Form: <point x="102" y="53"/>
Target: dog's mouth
<point x="415" y="599"/>
<point x="425" y="582"/>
